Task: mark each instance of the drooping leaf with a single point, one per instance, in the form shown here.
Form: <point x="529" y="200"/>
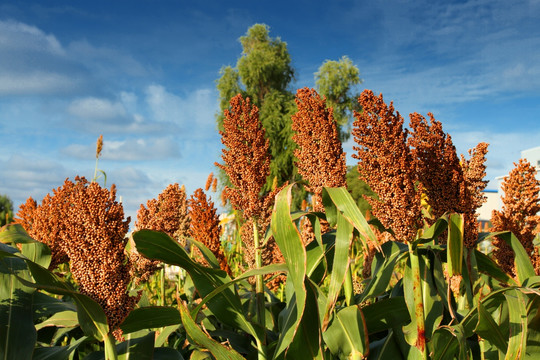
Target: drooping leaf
<point x="488" y="329"/>
<point x="197" y="336"/>
<point x="149" y="318"/>
<point x="15" y="234"/>
<point x="91" y="316"/>
<point x="57" y="352"/>
<point x="449" y="341"/>
<point x="137" y="346"/>
<point x="61" y="319"/>
<point x="385" y="314"/>
<point x="346" y="335"/>
<point x="488" y="266"/>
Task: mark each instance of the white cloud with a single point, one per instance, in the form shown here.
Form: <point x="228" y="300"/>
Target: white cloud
<point x="195" y="112"/>
<point x="17" y="35"/>
<point x="22" y="177"/>
<point x="37" y="82"/>
<point x="140" y="149"/>
<point x="105" y="60"/>
<point x="94" y="108"/>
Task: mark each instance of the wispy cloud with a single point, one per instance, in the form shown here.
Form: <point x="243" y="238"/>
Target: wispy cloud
<point x="195" y="112"/>
<point x="94" y="108"/>
<point x="22" y="177"/>
<point x="140" y="149"/>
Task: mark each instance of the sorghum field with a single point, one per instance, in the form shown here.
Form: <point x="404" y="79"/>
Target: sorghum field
<point x="273" y="280"/>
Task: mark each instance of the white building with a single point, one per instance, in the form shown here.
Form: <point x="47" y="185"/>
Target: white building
<point x="533" y="157"/>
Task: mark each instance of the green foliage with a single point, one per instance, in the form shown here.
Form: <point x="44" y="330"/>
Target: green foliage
<point x="406" y="309"/>
<point x="6" y="210"/>
<point x="336" y="80"/>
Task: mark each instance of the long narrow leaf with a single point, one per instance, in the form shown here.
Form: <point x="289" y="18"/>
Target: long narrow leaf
<point x="340" y="265"/>
<point x="343" y="201"/>
<point x="517" y="343"/>
<point x="149" y="318"/>
<point x="307" y="342"/>
<point x="197" y="336"/>
<point x="489" y="330"/>
<point x="454" y="253"/>
<point x="288" y="239"/>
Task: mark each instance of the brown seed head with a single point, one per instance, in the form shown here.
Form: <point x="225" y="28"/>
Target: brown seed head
<point x="246" y="160"/>
<point x="99" y="146"/>
<point x="386" y="165"/>
<point x="205" y="226"/>
<point x="320" y="157"/>
<point x="521" y="204"/>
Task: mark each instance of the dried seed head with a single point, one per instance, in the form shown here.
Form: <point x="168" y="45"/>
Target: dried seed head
<point x="99" y="146"/>
<point x="169" y="214"/>
<point x="205" y="226"/>
<point x="84" y="223"/>
<point x="320" y="157"/>
<point x="521" y="204"/>
<point x="209" y="181"/>
<point x="246" y="159"/>
<point x="385" y="163"/>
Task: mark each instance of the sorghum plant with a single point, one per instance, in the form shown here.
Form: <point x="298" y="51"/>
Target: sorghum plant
<point x="89" y="229"/>
<point x="386" y="164"/>
<point x="167" y="213"/>
<point x="474" y="172"/>
<point x="521" y="204"/>
<point x="437" y="164"/>
<point x="204" y="226"/>
<point x="320" y="157"/>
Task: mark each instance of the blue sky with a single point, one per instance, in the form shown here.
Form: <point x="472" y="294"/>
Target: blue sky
<point x="142" y="73"/>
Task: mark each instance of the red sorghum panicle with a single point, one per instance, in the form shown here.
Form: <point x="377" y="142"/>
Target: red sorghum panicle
<point x="472" y="197"/>
<point x="521" y="204"/>
<point x="95" y="238"/>
<point x="169" y="214"/>
<point x="386" y="165"/>
<point x="44" y="222"/>
<point x="437" y="164"/>
<point x="246" y="159"/>
<point x="320" y="157"/>
<point x="205" y="226"/>
<point x="83" y="222"/>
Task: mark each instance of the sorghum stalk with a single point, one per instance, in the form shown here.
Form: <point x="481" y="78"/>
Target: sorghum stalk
<point x="259" y="281"/>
